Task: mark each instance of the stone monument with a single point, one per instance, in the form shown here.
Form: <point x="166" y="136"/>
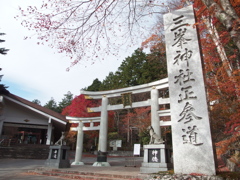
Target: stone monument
<point x="156" y="155"/>
<point x="192" y="143"/>
<point x="58" y="154"/>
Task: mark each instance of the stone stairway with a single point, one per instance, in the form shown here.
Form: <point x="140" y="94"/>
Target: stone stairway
<point x="86" y="175"/>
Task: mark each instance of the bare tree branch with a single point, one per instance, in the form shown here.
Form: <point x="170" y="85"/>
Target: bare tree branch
<point x="75" y="27"/>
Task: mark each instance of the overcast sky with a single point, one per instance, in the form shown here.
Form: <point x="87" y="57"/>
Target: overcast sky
<point x="36" y="72"/>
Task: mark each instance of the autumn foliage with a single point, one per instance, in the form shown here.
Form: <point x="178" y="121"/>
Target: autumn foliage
<point x="222" y="74"/>
<point x="138" y="117"/>
<point x="221" y="65"/>
<point x="78" y="107"/>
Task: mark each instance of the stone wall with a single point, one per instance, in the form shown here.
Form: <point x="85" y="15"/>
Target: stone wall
<point x="25" y="152"/>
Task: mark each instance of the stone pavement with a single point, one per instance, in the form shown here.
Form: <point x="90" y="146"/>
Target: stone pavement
<point x="17" y="169"/>
<point x="121" y="168"/>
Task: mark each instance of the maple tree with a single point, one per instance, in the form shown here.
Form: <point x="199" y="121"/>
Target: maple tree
<point x="218" y="27"/>
<point x="79" y="108"/>
<point x="74" y="27"/>
<point x="138" y="118"/>
<point x="91" y="29"/>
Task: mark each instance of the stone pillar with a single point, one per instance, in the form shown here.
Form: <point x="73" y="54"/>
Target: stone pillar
<point x="154" y="114"/>
<point x="79" y="145"/>
<point x="58" y="157"/>
<point x="49" y="133"/>
<point x="191" y="133"/>
<point x="102" y="147"/>
<point x="103" y="126"/>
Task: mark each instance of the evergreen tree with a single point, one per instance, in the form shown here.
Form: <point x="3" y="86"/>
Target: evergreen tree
<point x="131" y="69"/>
<point x="140" y="68"/>
<point x="3" y="88"/>
<point x="36" y="101"/>
<point x="66" y="101"/>
<point x="111" y="81"/>
<point x="3" y="51"/>
<point x="51" y="104"/>
<point x="94" y="86"/>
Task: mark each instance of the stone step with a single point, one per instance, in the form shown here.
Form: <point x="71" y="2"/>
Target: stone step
<point x="81" y="175"/>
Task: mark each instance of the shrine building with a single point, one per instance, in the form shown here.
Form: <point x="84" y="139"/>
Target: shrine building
<point x="24" y="122"/>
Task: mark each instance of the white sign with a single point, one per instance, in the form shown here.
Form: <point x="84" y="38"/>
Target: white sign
<point x="192" y="144"/>
<point x="136" y="150"/>
<point x="115" y="143"/>
<point x="118" y="143"/>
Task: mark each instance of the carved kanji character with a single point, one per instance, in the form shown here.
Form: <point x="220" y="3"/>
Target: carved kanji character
<point x="188" y="114"/>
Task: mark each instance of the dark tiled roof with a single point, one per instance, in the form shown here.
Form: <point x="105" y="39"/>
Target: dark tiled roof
<point x="37" y="107"/>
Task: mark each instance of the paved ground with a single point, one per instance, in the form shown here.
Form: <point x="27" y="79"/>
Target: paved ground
<point x="11" y="169"/>
<point x="15" y="169"/>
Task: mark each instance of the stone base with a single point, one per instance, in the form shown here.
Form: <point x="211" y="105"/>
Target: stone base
<point x="101" y="164"/>
<point x="155" y="167"/>
<point x="102" y="156"/>
<point x="58" y="157"/>
<point x="156" y="158"/>
<point x="77" y="163"/>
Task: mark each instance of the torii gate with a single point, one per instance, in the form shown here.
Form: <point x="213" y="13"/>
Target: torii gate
<point x="154" y="102"/>
<point x="196" y="148"/>
<point x="81" y="121"/>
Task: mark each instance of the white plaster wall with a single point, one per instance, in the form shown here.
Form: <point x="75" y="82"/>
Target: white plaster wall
<point x="15" y="113"/>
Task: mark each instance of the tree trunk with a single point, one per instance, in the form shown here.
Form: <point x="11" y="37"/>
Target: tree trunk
<point x="220" y="49"/>
<point x="227" y="16"/>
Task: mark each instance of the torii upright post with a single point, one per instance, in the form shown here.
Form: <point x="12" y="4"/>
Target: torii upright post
<point x="154" y="111"/>
<point x="156" y="155"/>
<point x="79" y="145"/>
<point x="80" y="129"/>
<point x="102" y="147"/>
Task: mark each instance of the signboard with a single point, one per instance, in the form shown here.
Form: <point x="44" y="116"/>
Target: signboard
<point x="136" y="150"/>
<point x="54" y="154"/>
<point x="192" y="144"/>
<point x="115" y="144"/>
<point x="127" y="99"/>
<point x="154" y="156"/>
